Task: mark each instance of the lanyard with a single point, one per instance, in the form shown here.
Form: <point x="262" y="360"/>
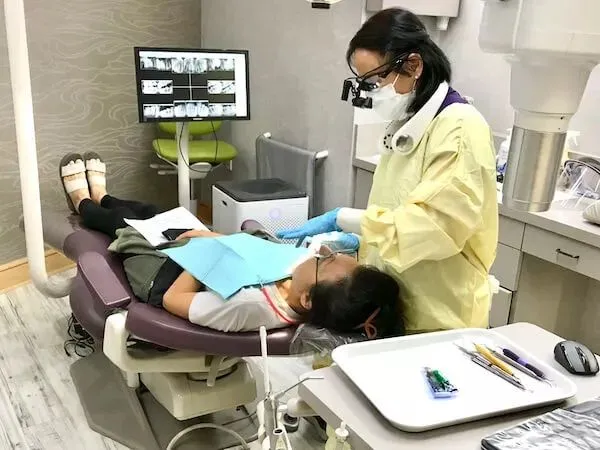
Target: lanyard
<point x="272" y="305"/>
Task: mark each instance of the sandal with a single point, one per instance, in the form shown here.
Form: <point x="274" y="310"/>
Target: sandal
<point x="94" y="163"/>
<point x="72" y="164"/>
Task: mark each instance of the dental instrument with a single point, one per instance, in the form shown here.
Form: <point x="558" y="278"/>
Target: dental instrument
<point x="479" y="359"/>
<point x="512" y="355"/>
<point x="495" y="370"/>
<point x="518" y="366"/>
<point x="483" y="351"/>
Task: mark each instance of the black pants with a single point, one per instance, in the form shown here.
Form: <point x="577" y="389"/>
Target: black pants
<point x="110" y="215"/>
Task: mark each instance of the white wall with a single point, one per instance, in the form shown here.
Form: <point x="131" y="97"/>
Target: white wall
<point x="486" y="78"/>
<point x="297" y="67"/>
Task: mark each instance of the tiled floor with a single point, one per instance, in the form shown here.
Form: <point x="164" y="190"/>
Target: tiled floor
<point x="39" y="408"/>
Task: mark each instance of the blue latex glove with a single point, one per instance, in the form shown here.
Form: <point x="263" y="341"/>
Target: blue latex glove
<point x="344" y="242"/>
<point x="324" y="223"/>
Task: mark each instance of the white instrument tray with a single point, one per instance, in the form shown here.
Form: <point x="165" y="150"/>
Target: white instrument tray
<point x="389" y="372"/>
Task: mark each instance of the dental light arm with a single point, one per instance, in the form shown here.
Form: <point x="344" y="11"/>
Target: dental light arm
<point x="18" y="55"/>
<point x="552" y="46"/>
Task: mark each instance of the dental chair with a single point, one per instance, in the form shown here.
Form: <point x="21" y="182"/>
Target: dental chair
<point x="188" y="371"/>
<point x="156" y="374"/>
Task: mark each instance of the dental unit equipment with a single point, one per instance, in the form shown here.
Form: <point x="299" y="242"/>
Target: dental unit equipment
<point x="18" y="56"/>
<point x="552" y="48"/>
<point x="272" y="431"/>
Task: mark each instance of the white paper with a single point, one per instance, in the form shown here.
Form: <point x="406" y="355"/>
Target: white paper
<point x="153" y="228"/>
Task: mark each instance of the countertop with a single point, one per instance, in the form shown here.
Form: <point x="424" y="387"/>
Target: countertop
<point x="565" y="220"/>
<point x="335" y="398"/>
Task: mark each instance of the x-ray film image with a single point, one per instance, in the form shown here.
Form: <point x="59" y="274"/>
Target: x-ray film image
<point x="215" y="110"/>
<point x="147" y="63"/>
<point x="221" y="87"/>
<point x="161" y="64"/>
<point x="189" y="65"/>
<point x="166" y="111"/>
<point x="179" y="109"/>
<point x="151" y="111"/>
<point x="215" y="64"/>
<point x="229" y="109"/>
<point x="157" y="86"/>
<point x="229" y="64"/>
<point x="203" y="109"/>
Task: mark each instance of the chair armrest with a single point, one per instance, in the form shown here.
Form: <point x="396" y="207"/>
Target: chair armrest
<point x="102" y="282"/>
<point x="252" y="225"/>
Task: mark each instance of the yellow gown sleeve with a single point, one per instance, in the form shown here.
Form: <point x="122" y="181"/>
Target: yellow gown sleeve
<point x="439" y="215"/>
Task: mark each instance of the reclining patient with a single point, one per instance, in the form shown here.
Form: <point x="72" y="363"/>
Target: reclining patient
<point x="328" y="290"/>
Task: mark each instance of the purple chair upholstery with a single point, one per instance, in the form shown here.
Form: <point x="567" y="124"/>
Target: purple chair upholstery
<point x="101" y="286"/>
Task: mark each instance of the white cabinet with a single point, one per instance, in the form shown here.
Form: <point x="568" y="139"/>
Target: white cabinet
<point x="439" y="8"/>
<point x="506" y="269"/>
<point x="510" y="232"/>
<point x="561" y="250"/>
<point x="500" y="311"/>
<point x="507" y="266"/>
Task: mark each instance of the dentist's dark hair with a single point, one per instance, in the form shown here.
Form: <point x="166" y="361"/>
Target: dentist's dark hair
<point x="395" y="33"/>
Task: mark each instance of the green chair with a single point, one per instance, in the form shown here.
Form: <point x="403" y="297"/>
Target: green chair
<point x="203" y="154"/>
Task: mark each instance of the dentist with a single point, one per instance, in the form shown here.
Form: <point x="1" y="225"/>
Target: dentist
<point x="432" y="215"/>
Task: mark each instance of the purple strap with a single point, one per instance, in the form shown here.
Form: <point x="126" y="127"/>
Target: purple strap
<point x="451" y="98"/>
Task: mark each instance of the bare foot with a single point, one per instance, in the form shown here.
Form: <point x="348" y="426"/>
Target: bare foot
<point x="80" y="194"/>
<point x="97" y="183"/>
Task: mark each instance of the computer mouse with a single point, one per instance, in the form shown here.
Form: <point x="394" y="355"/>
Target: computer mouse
<point x="576" y="358"/>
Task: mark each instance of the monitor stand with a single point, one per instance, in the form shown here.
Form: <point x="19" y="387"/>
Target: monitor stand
<point x="187" y="173"/>
<point x="184" y="184"/>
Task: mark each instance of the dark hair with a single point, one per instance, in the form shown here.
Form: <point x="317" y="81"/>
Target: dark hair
<point x="395" y="33"/>
<point x="345" y="304"/>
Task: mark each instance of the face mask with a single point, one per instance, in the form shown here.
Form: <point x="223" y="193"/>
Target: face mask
<point x="389" y="105"/>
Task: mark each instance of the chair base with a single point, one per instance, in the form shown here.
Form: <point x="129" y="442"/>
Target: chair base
<point x="185" y="398"/>
<point x="136" y="419"/>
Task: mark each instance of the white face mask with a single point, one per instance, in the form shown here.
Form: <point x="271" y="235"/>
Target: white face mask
<point x="390" y="105"/>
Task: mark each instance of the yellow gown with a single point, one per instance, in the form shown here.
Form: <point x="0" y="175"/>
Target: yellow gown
<point x="432" y="221"/>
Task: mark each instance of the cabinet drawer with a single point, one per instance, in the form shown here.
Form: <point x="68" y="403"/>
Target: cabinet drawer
<point x="507" y="266"/>
<point x="510" y="232"/>
<point x="563" y="251"/>
<point x="500" y="311"/>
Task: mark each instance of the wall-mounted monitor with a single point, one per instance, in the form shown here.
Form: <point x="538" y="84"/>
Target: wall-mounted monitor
<point x="184" y="85"/>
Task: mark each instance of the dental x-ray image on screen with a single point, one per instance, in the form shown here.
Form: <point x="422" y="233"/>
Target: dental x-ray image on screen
<point x="185" y="85"/>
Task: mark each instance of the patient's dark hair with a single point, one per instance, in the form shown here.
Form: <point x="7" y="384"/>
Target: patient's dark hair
<point x="344" y="305"/>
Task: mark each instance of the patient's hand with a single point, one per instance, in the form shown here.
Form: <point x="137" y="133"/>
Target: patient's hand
<point x="197" y="233"/>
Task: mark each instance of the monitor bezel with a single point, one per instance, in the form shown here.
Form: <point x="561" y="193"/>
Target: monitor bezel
<point x="138" y="69"/>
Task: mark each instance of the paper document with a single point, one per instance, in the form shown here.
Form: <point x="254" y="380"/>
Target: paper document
<point x="152" y="229"/>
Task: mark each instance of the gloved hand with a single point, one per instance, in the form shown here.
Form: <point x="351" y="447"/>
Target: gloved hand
<point x="343" y="242"/>
<point x="324" y="223"/>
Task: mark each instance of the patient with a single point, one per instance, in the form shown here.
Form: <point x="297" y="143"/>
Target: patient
<point x="330" y="290"/>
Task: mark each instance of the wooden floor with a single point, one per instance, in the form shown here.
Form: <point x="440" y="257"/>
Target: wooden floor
<point x="39" y="408"/>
